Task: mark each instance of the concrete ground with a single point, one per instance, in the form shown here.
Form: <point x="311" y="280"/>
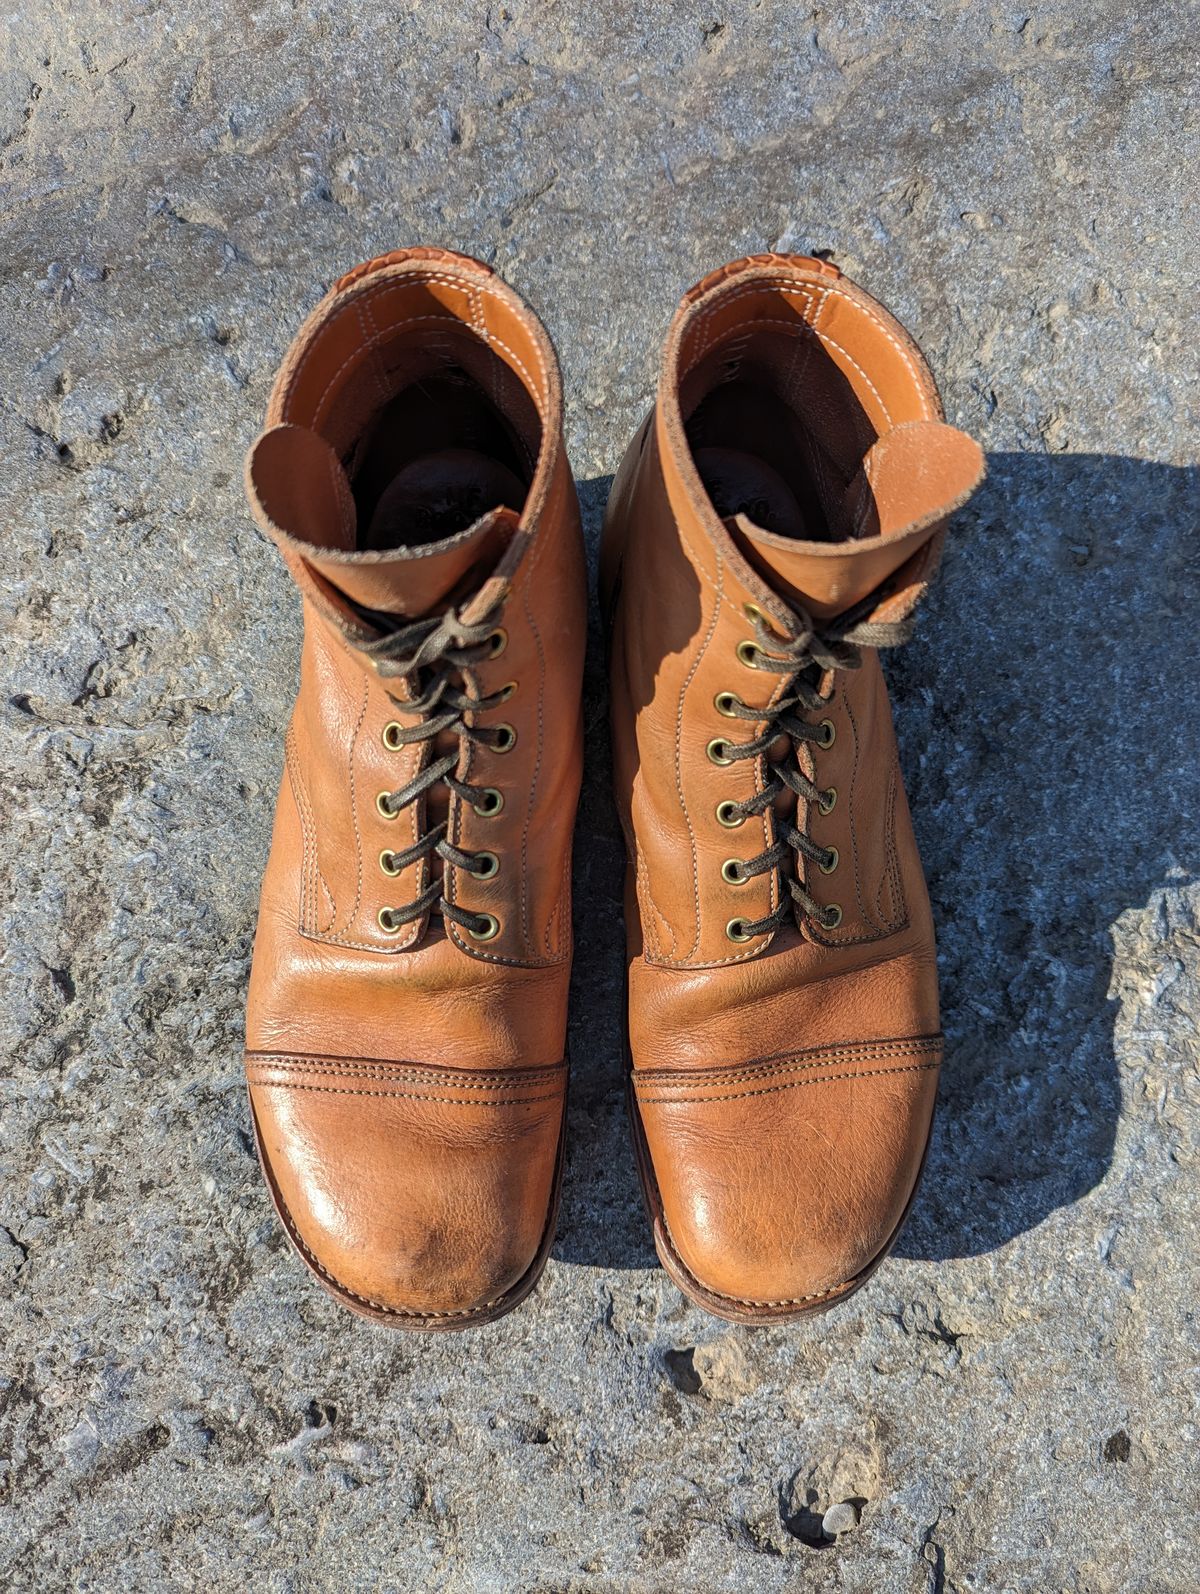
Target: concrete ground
<point x="1011" y="1404"/>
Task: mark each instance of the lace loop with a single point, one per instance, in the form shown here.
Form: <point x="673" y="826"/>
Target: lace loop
<point x="431" y="655"/>
<point x="813" y="651"/>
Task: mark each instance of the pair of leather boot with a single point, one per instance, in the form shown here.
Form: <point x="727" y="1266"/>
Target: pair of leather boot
<point x="775" y="521"/>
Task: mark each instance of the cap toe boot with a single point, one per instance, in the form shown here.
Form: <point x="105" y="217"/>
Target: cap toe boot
<point x="774" y="524"/>
<point x="407" y="1011"/>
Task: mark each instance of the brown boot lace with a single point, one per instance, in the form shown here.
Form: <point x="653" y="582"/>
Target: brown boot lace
<point x="813" y="651"/>
<point x="431" y="655"/>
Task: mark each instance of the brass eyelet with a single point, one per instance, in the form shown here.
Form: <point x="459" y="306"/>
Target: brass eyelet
<point x="390" y="735"/>
<point x="748" y="654"/>
<point x="731" y="872"/>
<point x="506" y="691"/>
<point x="491" y="804"/>
<point x="715" y="751"/>
<point x="735" y="930"/>
<point x="753" y="612"/>
<point x="832" y="917"/>
<point x="826" y="799"/>
<point x="828" y="734"/>
<point x="490" y="930"/>
<point x="389" y="868"/>
<point x="486" y="865"/>
<point x="386" y="923"/>
<point x="828" y="868"/>
<point x="497" y="642"/>
<point x="726" y="703"/>
<point x="508" y="738"/>
<point x="727" y="815"/>
<point x="385" y="812"/>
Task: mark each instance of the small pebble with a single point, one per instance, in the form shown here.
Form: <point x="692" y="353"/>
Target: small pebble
<point x="839" y="1519"/>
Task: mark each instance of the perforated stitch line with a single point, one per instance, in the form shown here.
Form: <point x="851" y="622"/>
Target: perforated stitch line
<point x="791" y="1084"/>
<point x="786" y="1063"/>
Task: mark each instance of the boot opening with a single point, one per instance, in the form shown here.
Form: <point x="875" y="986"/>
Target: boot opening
<point x="785" y="386"/>
<point x="432" y="390"/>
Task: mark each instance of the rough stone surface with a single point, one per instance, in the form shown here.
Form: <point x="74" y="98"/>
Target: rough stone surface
<point x="1011" y="1404"/>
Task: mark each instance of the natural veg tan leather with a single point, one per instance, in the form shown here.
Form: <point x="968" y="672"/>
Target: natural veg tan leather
<point x="407" y="1079"/>
<point x="795" y="469"/>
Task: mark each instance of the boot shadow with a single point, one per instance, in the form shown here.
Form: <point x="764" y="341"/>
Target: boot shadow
<point x="1047" y="801"/>
<point x="1048" y="713"/>
<point x="602" y="1220"/>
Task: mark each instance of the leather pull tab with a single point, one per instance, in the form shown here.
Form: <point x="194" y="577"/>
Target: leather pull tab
<point x="298" y="489"/>
<point x="916" y="474"/>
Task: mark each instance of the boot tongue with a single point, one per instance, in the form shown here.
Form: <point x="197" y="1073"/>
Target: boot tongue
<point x="301" y="496"/>
<point x="909" y="482"/>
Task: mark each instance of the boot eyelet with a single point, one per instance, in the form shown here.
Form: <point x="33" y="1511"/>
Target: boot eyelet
<point x="749" y="654"/>
<point x="387" y="923"/>
<point x="390" y="736"/>
<point x="727" y="815"/>
<point x="828" y="734"/>
<point x="753" y="612"/>
<point x="385" y="812"/>
<point x="506" y="738"/>
<point x="486" y="865"/>
<point x="490" y="803"/>
<point x="731" y="872"/>
<point x="506" y="691"/>
<point x="727" y="703"/>
<point x="489" y="928"/>
<point x="826" y="799"/>
<point x="387" y="864"/>
<point x="735" y="930"/>
<point x="716" y="751"/>
<point x="497" y="642"/>
<point x="832" y="917"/>
<point x="828" y="868"/>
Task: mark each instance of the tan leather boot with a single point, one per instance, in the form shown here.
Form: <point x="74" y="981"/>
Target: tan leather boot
<point x="774" y="522"/>
<point x="407" y="1011"/>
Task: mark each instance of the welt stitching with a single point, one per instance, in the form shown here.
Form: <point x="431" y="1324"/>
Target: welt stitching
<point x="791" y="1084"/>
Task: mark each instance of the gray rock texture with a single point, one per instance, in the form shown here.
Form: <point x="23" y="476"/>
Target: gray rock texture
<point x="1011" y="1405"/>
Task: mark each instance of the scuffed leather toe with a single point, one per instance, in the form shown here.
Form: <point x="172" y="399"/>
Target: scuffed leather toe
<point x="416" y="1194"/>
<point x="780" y="1183"/>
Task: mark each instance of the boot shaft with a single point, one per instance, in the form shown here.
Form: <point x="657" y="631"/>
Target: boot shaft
<point x="789" y="491"/>
<point x="413" y="475"/>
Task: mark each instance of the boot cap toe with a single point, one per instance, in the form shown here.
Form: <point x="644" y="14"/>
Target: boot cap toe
<point x="418" y="1196"/>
